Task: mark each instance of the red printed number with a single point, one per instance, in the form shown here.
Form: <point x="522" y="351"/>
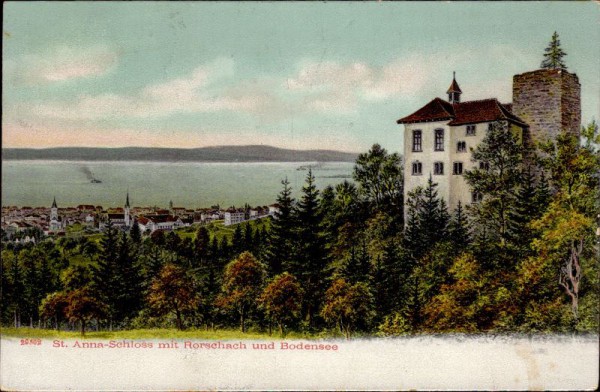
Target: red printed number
<point x="31" y="342"/>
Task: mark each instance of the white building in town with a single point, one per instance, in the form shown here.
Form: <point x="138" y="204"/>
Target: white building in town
<point x="233" y="217"/>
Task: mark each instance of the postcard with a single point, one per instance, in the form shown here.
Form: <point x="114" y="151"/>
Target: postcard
<point x="300" y="196"/>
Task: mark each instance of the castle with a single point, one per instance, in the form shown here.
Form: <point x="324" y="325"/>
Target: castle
<point x="439" y="136"/>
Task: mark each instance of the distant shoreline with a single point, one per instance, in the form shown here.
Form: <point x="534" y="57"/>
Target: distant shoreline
<point x="205" y="154"/>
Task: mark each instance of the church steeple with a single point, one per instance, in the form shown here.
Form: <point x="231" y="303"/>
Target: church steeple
<point x="127" y="215"/>
<point x="454" y="91"/>
<point x="54" y="215"/>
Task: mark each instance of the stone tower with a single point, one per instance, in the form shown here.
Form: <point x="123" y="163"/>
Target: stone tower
<point x="548" y="100"/>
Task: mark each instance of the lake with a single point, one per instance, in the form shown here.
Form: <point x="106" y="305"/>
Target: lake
<point x="188" y="184"/>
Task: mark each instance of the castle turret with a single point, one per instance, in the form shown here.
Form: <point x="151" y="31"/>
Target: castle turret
<point x="548" y="100"/>
<point x="454" y="90"/>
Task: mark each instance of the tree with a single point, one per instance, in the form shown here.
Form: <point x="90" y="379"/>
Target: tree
<point x="135" y="233"/>
<point x="248" y="237"/>
<point x="311" y="258"/>
<point x="463" y="304"/>
<point x="83" y="306"/>
<point x="497" y="179"/>
<point x="242" y="283"/>
<point x="280" y="240"/>
<point x="171" y="292"/>
<point x="458" y="228"/>
<point x="104" y="273"/>
<point x="427" y="222"/>
<point x="238" y="240"/>
<point x="201" y="245"/>
<point x="128" y="280"/>
<point x="553" y="56"/>
<point x="54" y="306"/>
<point x="282" y="300"/>
<point x="380" y="178"/>
<point x="525" y="209"/>
<point x="348" y="305"/>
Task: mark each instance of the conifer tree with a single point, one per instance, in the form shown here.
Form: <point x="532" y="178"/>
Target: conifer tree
<point x="135" y="233"/>
<point x="498" y="182"/>
<point x="128" y="280"/>
<point x="524" y="211"/>
<point x="280" y="238"/>
<point x="458" y="228"/>
<point x="553" y="55"/>
<point x="248" y="237"/>
<point x="310" y="259"/>
<point x="105" y="283"/>
<point x="214" y="250"/>
<point x="238" y="240"/>
<point x="427" y="220"/>
<point x="224" y="249"/>
<point x="357" y="267"/>
<point x="201" y="246"/>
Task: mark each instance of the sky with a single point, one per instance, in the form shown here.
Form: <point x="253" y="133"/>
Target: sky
<point x="312" y="75"/>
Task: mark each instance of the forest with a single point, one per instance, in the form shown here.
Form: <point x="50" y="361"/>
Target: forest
<point x="353" y="260"/>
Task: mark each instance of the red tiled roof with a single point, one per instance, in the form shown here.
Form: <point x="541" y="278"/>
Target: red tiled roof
<point x="469" y="112"/>
<point x="436" y="110"/>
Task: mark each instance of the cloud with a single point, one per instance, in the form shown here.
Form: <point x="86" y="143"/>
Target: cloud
<point x="340" y="87"/>
<point x="194" y="93"/>
<point x="62" y="64"/>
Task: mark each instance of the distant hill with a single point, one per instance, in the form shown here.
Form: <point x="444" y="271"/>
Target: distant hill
<point x="205" y="154"/>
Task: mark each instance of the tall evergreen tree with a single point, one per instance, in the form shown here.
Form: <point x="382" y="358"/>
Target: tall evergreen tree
<point x="104" y="281"/>
<point x="499" y="182"/>
<point x="135" y="233"/>
<point x="128" y="281"/>
<point x="458" y="228"/>
<point x="201" y="246"/>
<point x="238" y="240"/>
<point x="553" y="55"/>
<point x="524" y="211"/>
<point x="428" y="220"/>
<point x="310" y="259"/>
<point x="248" y="237"/>
<point x="280" y="239"/>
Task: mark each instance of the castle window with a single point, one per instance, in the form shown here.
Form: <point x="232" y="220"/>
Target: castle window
<point x="439" y="140"/>
<point x="457" y="168"/>
<point x="476" y="197"/>
<point x="417" y="145"/>
<point x="461" y="146"/>
<point x="471" y="130"/>
<point x="438" y="168"/>
<point x="417" y="168"/>
<point x="484" y="166"/>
